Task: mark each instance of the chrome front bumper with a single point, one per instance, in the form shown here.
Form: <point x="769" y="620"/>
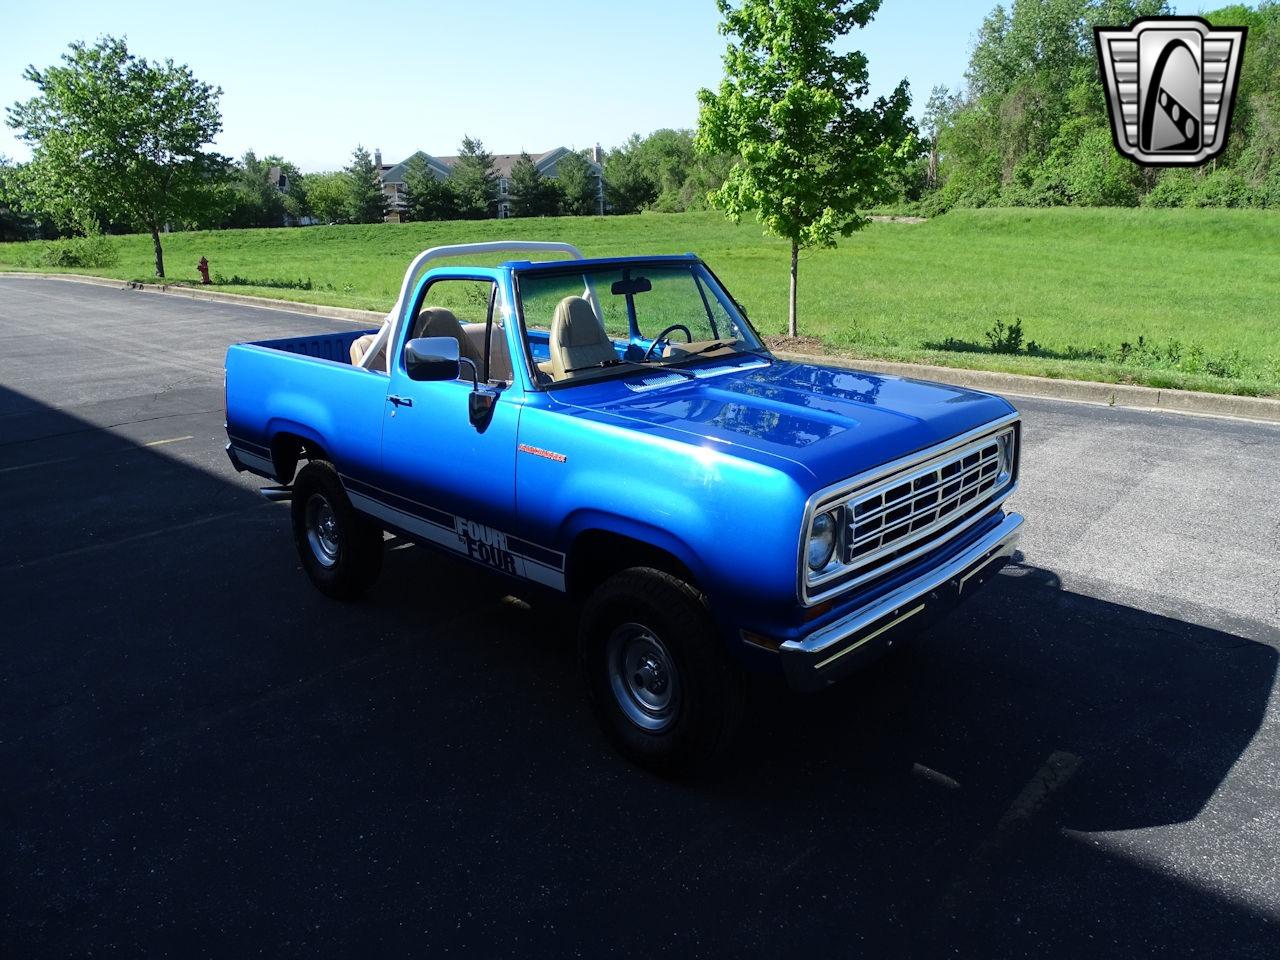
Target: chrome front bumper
<point x="835" y="650"/>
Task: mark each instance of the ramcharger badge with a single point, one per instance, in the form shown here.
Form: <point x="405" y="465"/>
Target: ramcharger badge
<point x="1171" y="85"/>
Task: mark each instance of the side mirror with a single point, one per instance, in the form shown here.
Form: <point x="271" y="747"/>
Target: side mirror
<point x="432" y="358"/>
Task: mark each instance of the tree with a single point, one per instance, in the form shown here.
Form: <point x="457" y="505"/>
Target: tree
<point x="532" y="193"/>
<point x="426" y="196"/>
<point x="662" y="171"/>
<point x="254" y="201"/>
<point x="810" y="157"/>
<point x="122" y="138"/>
<point x="292" y="187"/>
<point x="628" y="182"/>
<point x="329" y="196"/>
<point x="474" y="181"/>
<point x="366" y="203"/>
<point x="1029" y="127"/>
<point x="13" y="225"/>
<point x="937" y="113"/>
<point x="579" y="187"/>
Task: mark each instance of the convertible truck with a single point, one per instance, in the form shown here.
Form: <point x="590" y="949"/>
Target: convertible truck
<point x="614" y="430"/>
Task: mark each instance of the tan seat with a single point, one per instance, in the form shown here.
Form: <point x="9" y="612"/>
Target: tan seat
<point x="577" y="340"/>
<point x="439" y="322"/>
<point x="360" y="345"/>
<point x="499" y="356"/>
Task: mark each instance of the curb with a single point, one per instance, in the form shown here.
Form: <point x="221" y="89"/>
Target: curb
<point x="1081" y="391"/>
<point x="215" y="296"/>
<point x="1261" y="409"/>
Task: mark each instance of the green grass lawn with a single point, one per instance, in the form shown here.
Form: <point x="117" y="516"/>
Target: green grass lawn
<point x="1195" y="294"/>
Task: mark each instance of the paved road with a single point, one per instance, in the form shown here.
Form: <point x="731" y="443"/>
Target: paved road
<point x="201" y="756"/>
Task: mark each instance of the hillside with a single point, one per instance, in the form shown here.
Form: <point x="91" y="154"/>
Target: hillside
<point x="1174" y="298"/>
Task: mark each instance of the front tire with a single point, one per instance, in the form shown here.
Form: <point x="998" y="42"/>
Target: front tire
<point x="664" y="691"/>
<point x="340" y="549"/>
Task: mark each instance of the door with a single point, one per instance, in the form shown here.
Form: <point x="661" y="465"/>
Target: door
<point x="443" y="480"/>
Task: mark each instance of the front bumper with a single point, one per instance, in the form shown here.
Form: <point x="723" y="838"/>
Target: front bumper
<point x="833" y="651"/>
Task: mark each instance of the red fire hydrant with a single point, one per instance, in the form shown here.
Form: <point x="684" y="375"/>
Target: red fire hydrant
<point x="203" y="267"/>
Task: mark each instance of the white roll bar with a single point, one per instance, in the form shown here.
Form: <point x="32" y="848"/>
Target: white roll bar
<point x="389" y="333"/>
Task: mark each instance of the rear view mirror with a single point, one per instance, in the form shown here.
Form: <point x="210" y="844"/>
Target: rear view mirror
<point x="627" y="288"/>
<point x="432" y="358"/>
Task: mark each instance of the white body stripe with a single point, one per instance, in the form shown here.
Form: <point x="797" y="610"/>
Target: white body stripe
<point x="255" y="461"/>
<point x="449" y="538"/>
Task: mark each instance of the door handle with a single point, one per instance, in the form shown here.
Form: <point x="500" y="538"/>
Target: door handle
<point x="400" y="401"/>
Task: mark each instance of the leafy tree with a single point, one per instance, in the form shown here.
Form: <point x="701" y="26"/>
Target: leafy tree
<point x="937" y="112"/>
<point x="120" y="137"/>
<point x="532" y="193"/>
<point x="426" y="196"/>
<point x="366" y="203"/>
<point x="292" y="188"/>
<point x="13" y="225"/>
<point x="474" y="181"/>
<point x="683" y="177"/>
<point x="253" y="201"/>
<point x="628" y="182"/>
<point x="20" y="215"/>
<point x="579" y="187"/>
<point x="1031" y="127"/>
<point x="810" y="157"/>
<point x="329" y="196"/>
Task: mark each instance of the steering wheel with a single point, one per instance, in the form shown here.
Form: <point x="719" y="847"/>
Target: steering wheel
<point x="688" y="338"/>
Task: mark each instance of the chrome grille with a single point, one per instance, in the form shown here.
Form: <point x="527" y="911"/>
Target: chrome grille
<point x="896" y="518"/>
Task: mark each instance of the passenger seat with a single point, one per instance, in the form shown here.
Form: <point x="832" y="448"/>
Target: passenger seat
<point x="577" y="339"/>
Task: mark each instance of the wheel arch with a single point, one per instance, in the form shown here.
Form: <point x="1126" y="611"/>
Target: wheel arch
<point x="599" y="550"/>
<point x="290" y="446"/>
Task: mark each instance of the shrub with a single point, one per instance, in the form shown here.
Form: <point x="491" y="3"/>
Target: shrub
<point x="1097" y="176"/>
<point x="93" y="250"/>
<point x="1224" y="187"/>
<point x="235" y="280"/>
<point x="1175" y="188"/>
<point x="1005" y="339"/>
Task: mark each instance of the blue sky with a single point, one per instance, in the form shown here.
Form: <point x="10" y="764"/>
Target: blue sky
<point x="310" y="80"/>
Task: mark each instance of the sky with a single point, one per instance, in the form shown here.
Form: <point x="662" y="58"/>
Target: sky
<point x="311" y="80"/>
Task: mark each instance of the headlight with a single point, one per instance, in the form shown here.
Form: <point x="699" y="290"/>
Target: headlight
<point x="822" y="540"/>
<point x="1006" y="457"/>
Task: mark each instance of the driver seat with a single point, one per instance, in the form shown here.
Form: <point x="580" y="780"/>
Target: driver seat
<point x="577" y="338"/>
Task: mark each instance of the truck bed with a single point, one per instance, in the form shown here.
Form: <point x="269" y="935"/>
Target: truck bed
<point x="325" y="346"/>
<point x="304" y="387"/>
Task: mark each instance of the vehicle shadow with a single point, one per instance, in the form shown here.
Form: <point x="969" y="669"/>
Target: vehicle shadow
<point x="203" y="755"/>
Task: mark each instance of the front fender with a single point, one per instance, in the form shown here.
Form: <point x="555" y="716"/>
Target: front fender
<point x="588" y="521"/>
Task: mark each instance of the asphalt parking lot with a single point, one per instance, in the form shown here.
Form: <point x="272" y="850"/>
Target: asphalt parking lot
<point x="201" y="756"/>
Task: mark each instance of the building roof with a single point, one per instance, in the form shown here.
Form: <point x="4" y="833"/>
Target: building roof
<point x="394" y="173"/>
<point x="502" y="163"/>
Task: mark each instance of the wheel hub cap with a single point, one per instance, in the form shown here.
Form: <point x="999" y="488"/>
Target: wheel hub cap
<point x="322" y="530"/>
<point x="643" y="677"/>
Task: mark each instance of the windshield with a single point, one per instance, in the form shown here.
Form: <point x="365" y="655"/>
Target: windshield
<point x="618" y="319"/>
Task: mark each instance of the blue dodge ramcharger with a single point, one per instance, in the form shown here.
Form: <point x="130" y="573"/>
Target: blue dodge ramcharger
<point x="614" y="430"/>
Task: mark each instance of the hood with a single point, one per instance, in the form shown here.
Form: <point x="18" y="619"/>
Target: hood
<point x="828" y="422"/>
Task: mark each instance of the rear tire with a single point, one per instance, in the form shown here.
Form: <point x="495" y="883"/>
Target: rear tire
<point x="340" y="549"/>
<point x="662" y="688"/>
